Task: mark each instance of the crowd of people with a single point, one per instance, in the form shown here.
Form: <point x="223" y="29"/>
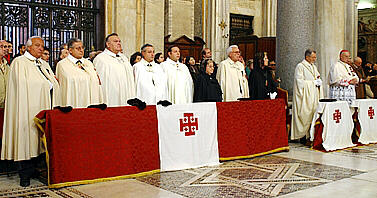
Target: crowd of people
<point x="29" y="84"/>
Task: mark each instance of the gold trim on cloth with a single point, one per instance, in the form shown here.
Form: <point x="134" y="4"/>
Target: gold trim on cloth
<point x="255" y="155"/>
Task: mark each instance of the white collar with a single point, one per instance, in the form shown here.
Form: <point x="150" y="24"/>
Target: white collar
<point x="307" y="63"/>
<point x="112" y="54"/>
<point x="146" y="62"/>
<point x="171" y="61"/>
<point x="29" y="56"/>
<point x="231" y="61"/>
<point x="74" y="60"/>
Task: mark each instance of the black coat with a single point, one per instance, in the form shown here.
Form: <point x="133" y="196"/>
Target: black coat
<point x="207" y="89"/>
<point x="257" y="83"/>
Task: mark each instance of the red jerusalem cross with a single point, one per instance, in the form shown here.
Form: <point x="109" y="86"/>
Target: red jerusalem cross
<point x="337" y="116"/>
<point x="371" y="113"/>
<point x="188" y="124"/>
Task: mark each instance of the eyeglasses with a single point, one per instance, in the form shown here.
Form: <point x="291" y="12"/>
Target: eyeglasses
<point x="5" y="46"/>
<point x="79" y="48"/>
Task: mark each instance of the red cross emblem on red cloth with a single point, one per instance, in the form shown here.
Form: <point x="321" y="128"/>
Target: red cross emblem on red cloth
<point x="371" y="113"/>
<point x="188" y="124"/>
<point x="337" y="116"/>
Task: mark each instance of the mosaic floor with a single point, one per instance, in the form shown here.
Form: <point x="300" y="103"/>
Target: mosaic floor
<point x="301" y="172"/>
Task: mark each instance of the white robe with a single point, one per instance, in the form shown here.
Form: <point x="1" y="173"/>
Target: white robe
<point x="180" y="84"/>
<point x="340" y="75"/>
<point x="4" y="73"/>
<point x="28" y="93"/>
<point x="117" y="78"/>
<point x="151" y="82"/>
<point x="305" y="99"/>
<point x="79" y="87"/>
<point x="232" y="79"/>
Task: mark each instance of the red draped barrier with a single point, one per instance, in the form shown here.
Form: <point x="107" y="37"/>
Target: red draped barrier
<point x="88" y="144"/>
<point x="91" y="145"/>
<point x="250" y="128"/>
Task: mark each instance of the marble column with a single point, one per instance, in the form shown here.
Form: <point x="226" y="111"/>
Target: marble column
<point x="217" y="28"/>
<point x="350" y="27"/>
<point x="179" y="19"/>
<point x="330" y="35"/>
<point x="269" y="8"/>
<point x="294" y="34"/>
<point x="136" y="22"/>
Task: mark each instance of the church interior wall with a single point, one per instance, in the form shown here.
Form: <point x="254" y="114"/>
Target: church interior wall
<point x="251" y="8"/>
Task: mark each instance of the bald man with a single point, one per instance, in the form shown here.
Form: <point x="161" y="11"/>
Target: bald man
<point x="32" y="88"/>
<point x="363" y="89"/>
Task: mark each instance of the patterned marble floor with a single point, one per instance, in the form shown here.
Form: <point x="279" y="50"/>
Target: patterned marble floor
<point x="301" y="172"/>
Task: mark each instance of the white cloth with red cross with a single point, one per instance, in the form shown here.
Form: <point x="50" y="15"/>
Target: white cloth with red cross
<point x="187" y="136"/>
<point x="367" y="114"/>
<point x="337" y="125"/>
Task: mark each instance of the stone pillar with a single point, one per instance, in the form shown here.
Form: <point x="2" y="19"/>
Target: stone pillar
<point x="330" y="36"/>
<point x="217" y="28"/>
<point x="356" y="19"/>
<point x="269" y="18"/>
<point x="294" y="34"/>
<point x="350" y="27"/>
<point x="154" y="24"/>
<point x="136" y="22"/>
<point x="179" y="18"/>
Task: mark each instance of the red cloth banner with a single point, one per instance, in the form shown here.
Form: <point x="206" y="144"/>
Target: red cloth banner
<point x="87" y="144"/>
<point x="248" y="128"/>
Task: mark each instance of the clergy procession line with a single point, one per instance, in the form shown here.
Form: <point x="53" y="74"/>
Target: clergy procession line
<point x="30" y="85"/>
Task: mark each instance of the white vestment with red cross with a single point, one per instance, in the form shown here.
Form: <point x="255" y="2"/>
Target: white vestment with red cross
<point x="367" y="109"/>
<point x="337" y="125"/>
<point x="187" y="136"/>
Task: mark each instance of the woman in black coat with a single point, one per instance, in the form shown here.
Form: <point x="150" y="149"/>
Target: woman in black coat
<point x="207" y="88"/>
<point x="261" y="83"/>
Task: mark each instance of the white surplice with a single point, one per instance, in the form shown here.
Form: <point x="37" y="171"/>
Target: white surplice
<point x="80" y="87"/>
<point x="180" y="84"/>
<point x="232" y="79"/>
<point x="339" y="77"/>
<point x="151" y="82"/>
<point x="28" y="92"/>
<point x="117" y="78"/>
<point x="305" y="98"/>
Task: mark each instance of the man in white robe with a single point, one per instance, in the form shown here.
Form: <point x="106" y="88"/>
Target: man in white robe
<point x="232" y="76"/>
<point x="343" y="79"/>
<point x="307" y="90"/>
<point x="116" y="73"/>
<point x="4" y="73"/>
<point x="180" y="84"/>
<point x="32" y="87"/>
<point x="78" y="80"/>
<point x="150" y="79"/>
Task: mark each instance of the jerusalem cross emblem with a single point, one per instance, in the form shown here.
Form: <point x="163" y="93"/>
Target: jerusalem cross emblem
<point x="188" y="124"/>
<point x="371" y="113"/>
<point x="337" y="116"/>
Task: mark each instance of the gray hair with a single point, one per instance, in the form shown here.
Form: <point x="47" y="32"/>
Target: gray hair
<point x="309" y="52"/>
<point x="30" y="42"/>
<point x="230" y="48"/>
<point x="72" y="41"/>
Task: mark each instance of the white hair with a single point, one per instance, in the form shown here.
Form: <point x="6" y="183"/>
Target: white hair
<point x="30" y="42"/>
<point x="230" y="48"/>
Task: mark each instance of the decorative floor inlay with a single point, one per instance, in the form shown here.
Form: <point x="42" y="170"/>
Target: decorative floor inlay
<point x="36" y="190"/>
<point x="265" y="176"/>
<point x="368" y="152"/>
